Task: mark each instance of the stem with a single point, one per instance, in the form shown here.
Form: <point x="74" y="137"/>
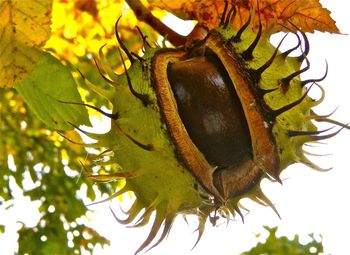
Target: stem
<point x="143" y="14"/>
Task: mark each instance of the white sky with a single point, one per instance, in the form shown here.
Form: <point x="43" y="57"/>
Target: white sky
<point x="308" y="201"/>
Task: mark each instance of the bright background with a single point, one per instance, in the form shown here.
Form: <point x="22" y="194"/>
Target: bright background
<point x="308" y="201"/>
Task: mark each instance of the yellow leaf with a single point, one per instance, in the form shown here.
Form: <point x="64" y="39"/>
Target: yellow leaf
<point x="24" y="28"/>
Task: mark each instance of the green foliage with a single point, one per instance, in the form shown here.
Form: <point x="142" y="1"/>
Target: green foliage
<point x="282" y="245"/>
<point x="52" y="238"/>
<point x="51" y="84"/>
<point x="41" y="156"/>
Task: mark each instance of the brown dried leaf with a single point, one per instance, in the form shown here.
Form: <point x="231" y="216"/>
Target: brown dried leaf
<point x="307" y="15"/>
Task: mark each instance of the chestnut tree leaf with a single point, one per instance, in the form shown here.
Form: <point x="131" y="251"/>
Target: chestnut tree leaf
<point x="307" y="15"/>
<point x="24" y="28"/>
<point x="50" y="91"/>
<point x="283" y="245"/>
<point x="278" y="15"/>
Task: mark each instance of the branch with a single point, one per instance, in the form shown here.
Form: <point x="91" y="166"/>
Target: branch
<point x="143" y="14"/>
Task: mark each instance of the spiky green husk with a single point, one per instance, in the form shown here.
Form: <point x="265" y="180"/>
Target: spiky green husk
<point x="159" y="181"/>
<point x="148" y="159"/>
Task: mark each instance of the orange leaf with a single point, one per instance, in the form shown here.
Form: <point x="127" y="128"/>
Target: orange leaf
<point x="307" y="15"/>
<point x="278" y="15"/>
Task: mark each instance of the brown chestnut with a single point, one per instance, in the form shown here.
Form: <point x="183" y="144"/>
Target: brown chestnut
<point x="210" y="110"/>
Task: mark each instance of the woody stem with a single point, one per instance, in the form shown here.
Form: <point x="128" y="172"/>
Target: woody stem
<point x="143" y="14"/>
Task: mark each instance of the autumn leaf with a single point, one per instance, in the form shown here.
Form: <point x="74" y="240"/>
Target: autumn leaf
<point x="50" y="90"/>
<point x="24" y="28"/>
<point x="306" y="15"/>
<point x="278" y="15"/>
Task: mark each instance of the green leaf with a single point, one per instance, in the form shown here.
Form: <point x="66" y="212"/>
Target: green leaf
<point x="282" y="245"/>
<point x="46" y="89"/>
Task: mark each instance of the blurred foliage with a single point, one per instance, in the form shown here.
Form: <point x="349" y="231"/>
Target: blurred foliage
<point x="44" y="165"/>
<point x="37" y="159"/>
<point x="282" y="245"/>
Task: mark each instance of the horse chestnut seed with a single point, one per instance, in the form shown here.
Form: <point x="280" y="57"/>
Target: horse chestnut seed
<point x="211" y="113"/>
<point x="217" y="127"/>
